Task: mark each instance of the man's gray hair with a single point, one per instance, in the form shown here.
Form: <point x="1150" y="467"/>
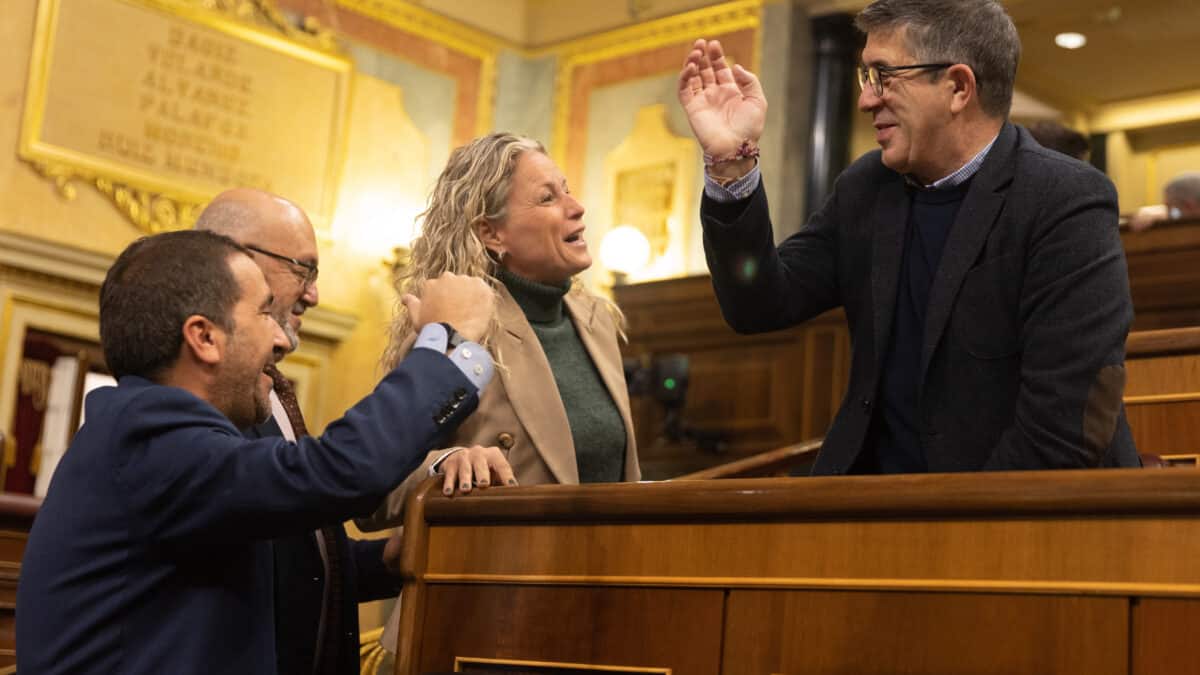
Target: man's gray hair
<point x="1185" y="186"/>
<point x="978" y="33"/>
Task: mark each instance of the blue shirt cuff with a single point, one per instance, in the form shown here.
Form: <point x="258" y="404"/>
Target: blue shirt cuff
<point x="734" y="192"/>
<point x="472" y="359"/>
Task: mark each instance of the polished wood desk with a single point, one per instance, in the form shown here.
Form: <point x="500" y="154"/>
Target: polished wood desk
<point x="1093" y="572"/>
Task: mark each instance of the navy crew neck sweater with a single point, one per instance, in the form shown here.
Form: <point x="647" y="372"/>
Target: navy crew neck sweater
<point x="897" y="428"/>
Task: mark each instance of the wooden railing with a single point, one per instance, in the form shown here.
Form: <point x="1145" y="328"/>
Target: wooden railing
<point x="1066" y="572"/>
<point x="790" y="460"/>
<point x="1162" y="392"/>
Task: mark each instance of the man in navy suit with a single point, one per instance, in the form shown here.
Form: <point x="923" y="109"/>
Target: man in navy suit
<point x="281" y="239"/>
<point x="311" y="634"/>
<point x="149" y="554"/>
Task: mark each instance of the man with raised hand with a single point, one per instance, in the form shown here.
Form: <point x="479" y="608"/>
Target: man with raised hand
<point x="982" y="275"/>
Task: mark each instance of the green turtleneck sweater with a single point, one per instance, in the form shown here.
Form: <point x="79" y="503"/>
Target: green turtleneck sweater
<point x="596" y="426"/>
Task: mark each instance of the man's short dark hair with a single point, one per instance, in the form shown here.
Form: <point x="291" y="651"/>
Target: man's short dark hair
<point x="153" y="287"/>
<point x="1060" y="138"/>
<point x="978" y="33"/>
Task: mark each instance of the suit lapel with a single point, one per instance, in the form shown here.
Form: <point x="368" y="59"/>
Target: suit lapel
<point x="967" y="237"/>
<point x="888" y="224"/>
<point x="531" y="390"/>
<point x="582" y="310"/>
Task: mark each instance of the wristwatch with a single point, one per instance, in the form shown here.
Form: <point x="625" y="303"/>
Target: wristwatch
<point x="453" y="338"/>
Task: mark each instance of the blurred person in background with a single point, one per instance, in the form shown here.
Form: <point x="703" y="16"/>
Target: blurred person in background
<point x="1181" y="201"/>
<point x="1061" y="138"/>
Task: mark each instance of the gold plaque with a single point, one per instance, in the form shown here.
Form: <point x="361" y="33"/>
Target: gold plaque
<point x="645" y="196"/>
<point x="163" y="103"/>
<point x="650" y="177"/>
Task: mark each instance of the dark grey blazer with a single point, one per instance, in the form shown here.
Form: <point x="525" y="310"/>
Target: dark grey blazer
<point x="1023" y="360"/>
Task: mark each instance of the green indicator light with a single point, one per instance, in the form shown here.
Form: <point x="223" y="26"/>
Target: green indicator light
<point x="669" y="383"/>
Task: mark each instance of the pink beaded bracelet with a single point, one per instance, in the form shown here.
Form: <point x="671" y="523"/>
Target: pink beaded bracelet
<point x="747" y="150"/>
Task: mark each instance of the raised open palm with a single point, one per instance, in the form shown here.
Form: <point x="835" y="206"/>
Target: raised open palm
<point x="725" y="106"/>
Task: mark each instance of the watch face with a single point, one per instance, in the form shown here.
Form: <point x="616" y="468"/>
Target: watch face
<point x="453" y="339"/>
<point x="1174" y="213"/>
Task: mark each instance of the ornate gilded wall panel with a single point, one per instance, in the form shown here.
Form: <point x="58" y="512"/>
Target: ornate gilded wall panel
<point x="430" y="41"/>
<point x="160" y="104"/>
<point x="651" y="176"/>
<point x="648" y="49"/>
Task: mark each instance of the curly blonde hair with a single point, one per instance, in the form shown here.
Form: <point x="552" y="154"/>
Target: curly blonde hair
<point x="473" y="188"/>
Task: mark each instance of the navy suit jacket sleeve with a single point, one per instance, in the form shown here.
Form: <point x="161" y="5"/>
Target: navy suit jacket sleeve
<point x="187" y="475"/>
<point x="374" y="580"/>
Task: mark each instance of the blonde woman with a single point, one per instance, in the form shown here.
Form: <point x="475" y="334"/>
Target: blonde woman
<point x="559" y="410"/>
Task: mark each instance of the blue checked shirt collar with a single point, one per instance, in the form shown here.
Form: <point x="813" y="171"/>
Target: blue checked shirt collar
<point x="963" y="174"/>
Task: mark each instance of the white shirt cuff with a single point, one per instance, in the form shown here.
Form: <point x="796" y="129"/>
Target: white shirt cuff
<point x="735" y="191"/>
<point x="436" y="467"/>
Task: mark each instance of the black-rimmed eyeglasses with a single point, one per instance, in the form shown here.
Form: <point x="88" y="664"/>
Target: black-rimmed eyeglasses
<point x="308" y="276"/>
<point x="878" y="76"/>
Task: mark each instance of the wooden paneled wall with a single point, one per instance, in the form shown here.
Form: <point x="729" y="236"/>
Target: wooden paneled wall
<point x="1164" y="274"/>
<point x="775" y="389"/>
<point x="761" y="391"/>
<point x="1162" y="390"/>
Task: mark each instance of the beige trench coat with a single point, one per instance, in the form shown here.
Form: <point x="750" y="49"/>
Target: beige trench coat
<point x="520" y="411"/>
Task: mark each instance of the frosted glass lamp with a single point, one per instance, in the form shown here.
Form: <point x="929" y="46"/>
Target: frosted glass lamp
<point x="625" y="250"/>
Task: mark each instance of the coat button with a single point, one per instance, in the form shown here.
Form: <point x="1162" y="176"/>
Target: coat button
<point x="505" y="440"/>
<point x="460" y="393"/>
<point x="866" y="404"/>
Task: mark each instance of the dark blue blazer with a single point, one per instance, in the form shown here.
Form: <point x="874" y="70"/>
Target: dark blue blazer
<point x="150" y="554"/>
<point x="1022" y="362"/>
<point x="300" y="589"/>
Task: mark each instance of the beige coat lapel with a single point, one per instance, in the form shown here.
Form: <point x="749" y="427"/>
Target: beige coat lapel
<point x="590" y="316"/>
<point x="531" y="390"/>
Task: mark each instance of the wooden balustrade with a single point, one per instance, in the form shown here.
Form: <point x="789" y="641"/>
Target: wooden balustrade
<point x="1035" y="572"/>
<point x="1162" y="391"/>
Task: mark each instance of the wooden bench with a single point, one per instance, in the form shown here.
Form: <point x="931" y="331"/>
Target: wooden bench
<point x="1162" y="392"/>
<point x="1162" y="401"/>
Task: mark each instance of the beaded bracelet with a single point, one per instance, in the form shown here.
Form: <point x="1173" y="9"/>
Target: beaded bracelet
<point x="747" y="150"/>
